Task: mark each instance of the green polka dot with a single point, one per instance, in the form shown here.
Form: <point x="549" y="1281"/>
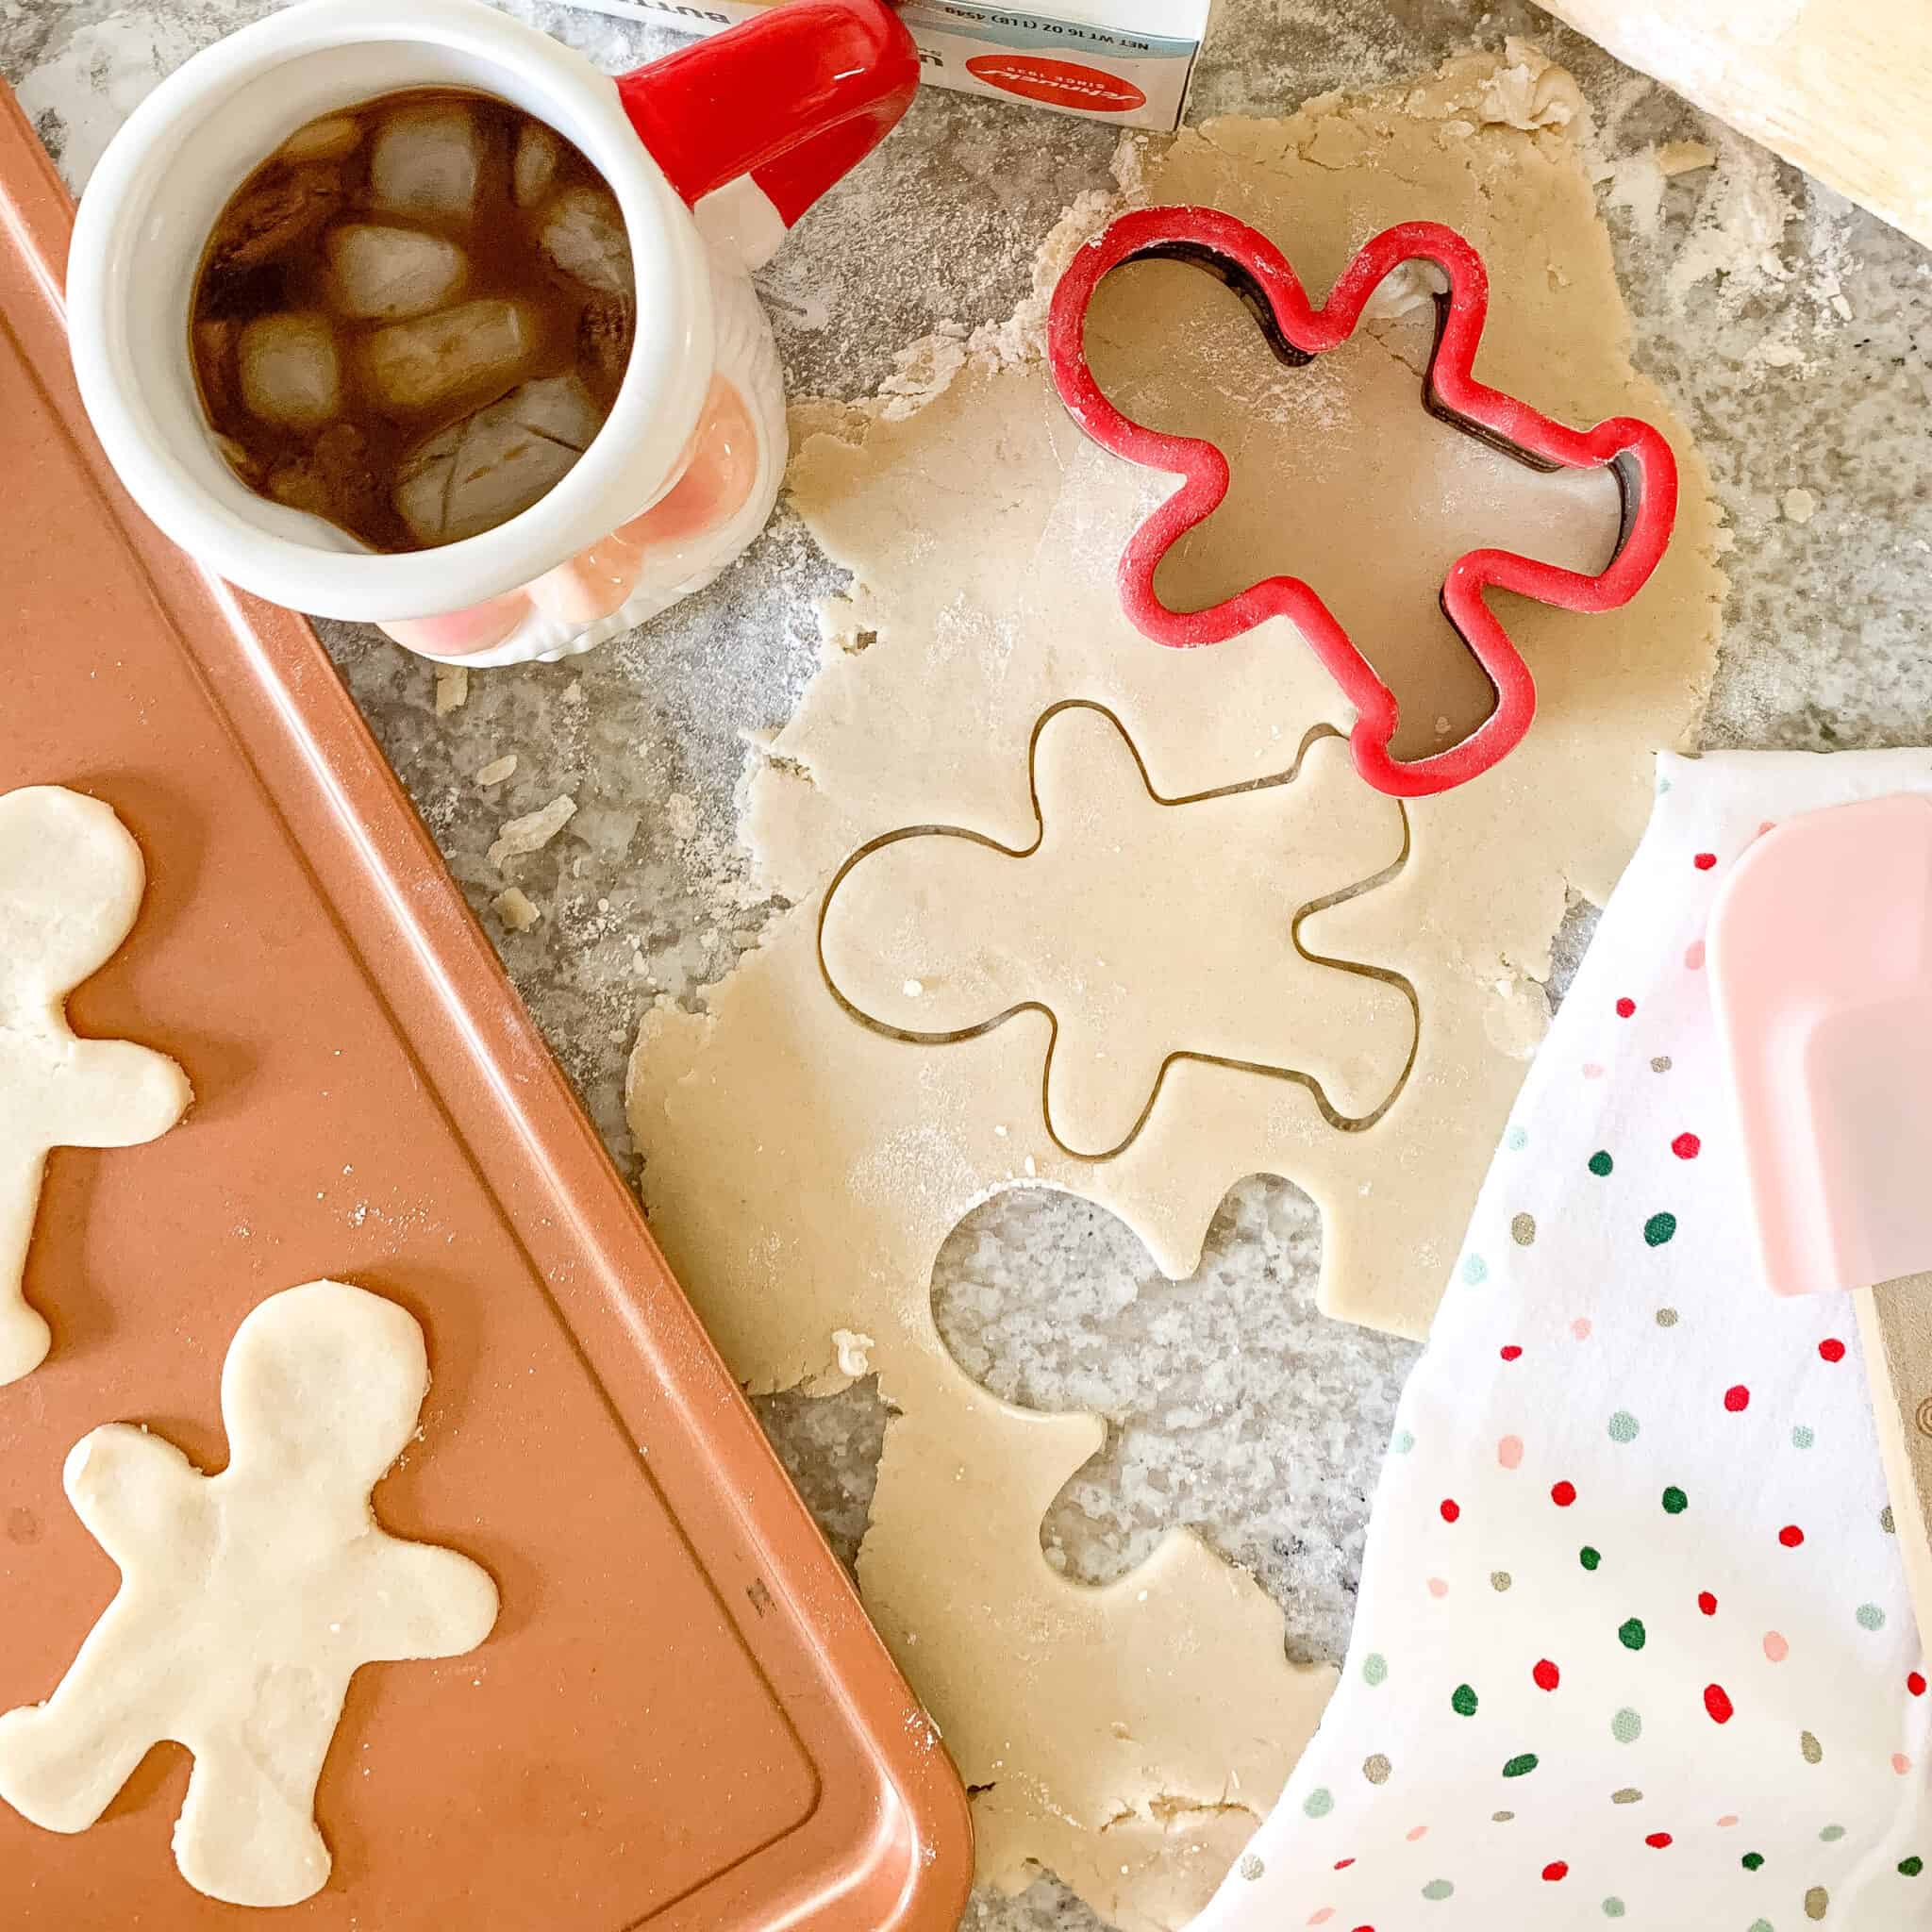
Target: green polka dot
<point x="1831" y="1834"/>
<point x="1516" y="1140"/>
<point x="1870" y="1617"/>
<point x="1884" y="1522"/>
<point x="1589" y="1558"/>
<point x="1801" y="1437"/>
<point x="1437" y="1889"/>
<point x="1613" y="1909"/>
<point x="1910" y="1868"/>
<point x="1403" y="1443"/>
<point x="1375" y="1668"/>
<point x="1676" y="1501"/>
<point x="1475" y="1271"/>
<point x="1660" y="1228"/>
<point x="1761" y="1925"/>
<point x="1628" y="1795"/>
<point x="1601" y="1163"/>
<point x="1462" y="1700"/>
<point x="1318" y="1802"/>
<point x="1812" y="1751"/>
<point x="1752" y="1861"/>
<point x="1626" y="1726"/>
<point x="1663" y="785"/>
<point x="1667" y="1318"/>
<point x="1522" y="1231"/>
<point x="1520" y="1765"/>
<point x="1630" y="1634"/>
<point x="1622" y="1427"/>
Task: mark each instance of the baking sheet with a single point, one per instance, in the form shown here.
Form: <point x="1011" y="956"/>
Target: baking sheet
<point x="682" y="1719"/>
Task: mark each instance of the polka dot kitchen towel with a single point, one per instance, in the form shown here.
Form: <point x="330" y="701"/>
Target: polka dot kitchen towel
<point x="1633" y="1642"/>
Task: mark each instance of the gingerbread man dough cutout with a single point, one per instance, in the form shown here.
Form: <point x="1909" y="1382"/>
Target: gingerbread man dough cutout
<point x="1148" y="929"/>
<point x="71" y="884"/>
<point x="249" y="1599"/>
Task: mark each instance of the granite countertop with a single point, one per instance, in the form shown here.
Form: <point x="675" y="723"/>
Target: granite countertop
<point x="1793" y="331"/>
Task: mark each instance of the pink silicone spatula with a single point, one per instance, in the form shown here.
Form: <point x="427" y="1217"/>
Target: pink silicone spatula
<point x="1820" y="956"/>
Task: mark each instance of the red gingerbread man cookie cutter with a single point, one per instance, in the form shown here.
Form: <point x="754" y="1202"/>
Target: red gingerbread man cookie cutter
<point x="1299" y="331"/>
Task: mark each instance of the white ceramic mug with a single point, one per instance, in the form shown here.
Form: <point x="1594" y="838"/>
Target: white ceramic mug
<point x="711" y="152"/>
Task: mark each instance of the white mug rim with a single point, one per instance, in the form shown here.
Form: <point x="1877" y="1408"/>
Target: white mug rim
<point x="632" y="459"/>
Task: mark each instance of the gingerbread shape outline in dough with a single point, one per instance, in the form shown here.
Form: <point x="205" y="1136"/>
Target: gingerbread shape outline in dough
<point x="1298" y="331"/>
<point x="72" y="881"/>
<point x="1067" y="1031"/>
<point x="285" y="1598"/>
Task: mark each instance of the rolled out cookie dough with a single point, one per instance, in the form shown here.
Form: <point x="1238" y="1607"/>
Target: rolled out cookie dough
<point x="71" y="884"/>
<point x="249" y="1599"/>
<point x="803" y="1170"/>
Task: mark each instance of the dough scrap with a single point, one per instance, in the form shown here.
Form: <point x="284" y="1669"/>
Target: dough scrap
<point x="1146" y="929"/>
<point x="803" y="1170"/>
<point x="71" y="885"/>
<point x="249" y="1599"/>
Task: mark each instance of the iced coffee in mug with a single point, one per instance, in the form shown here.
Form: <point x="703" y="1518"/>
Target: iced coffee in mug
<point x="465" y="342"/>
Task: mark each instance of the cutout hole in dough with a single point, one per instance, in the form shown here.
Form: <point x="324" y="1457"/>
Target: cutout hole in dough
<point x="1054" y="1303"/>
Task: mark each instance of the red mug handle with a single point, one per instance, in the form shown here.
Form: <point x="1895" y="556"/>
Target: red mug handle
<point x="794" y="99"/>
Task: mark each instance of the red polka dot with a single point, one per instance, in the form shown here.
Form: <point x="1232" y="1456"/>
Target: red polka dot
<point x="1737" y="1398"/>
<point x="1510" y="1351"/>
<point x="1343" y="1864"/>
<point x="1790" y="1536"/>
<point x="1555" y="1870"/>
<point x="1546" y="1674"/>
<point x="1687" y="1146"/>
<point x="1916" y="1683"/>
<point x="1625" y="1007"/>
<point x="1832" y="1349"/>
<point x="1717" y="1702"/>
<point x="1704" y="860"/>
<point x="1451" y="1509"/>
<point x="1706" y="1603"/>
<point x="1657" y="1841"/>
<point x="1564" y="1494"/>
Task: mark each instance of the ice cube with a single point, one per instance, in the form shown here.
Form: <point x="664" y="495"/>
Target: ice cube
<point x="605" y="330"/>
<point x="495" y="464"/>
<point x="244" y="465"/>
<point x="583" y="234"/>
<point x="270" y="219"/>
<point x="327" y="139"/>
<point x="385" y="274"/>
<point x="290" y="370"/>
<point x="335" y="480"/>
<point x="535" y="167"/>
<point x="416" y="365"/>
<point x="426" y="162"/>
